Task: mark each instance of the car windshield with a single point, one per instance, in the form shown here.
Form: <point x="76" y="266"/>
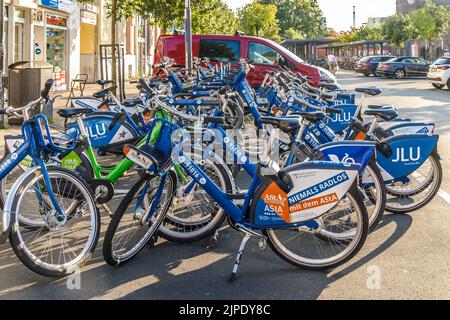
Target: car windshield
<point x="442" y="61"/>
<point x="286" y="52"/>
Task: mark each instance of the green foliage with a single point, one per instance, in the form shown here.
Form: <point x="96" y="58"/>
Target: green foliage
<point x="398" y="29"/>
<point x="431" y="21"/>
<point x="213" y="17"/>
<point x="259" y="20"/>
<point x="304" y="16"/>
<point x="366" y="33"/>
<point x="293" y="34"/>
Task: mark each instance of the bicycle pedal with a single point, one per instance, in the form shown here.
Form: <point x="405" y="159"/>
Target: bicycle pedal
<point x="108" y="211"/>
<point x="213" y="241"/>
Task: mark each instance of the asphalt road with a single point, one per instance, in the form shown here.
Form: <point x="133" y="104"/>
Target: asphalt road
<point x="407" y="257"/>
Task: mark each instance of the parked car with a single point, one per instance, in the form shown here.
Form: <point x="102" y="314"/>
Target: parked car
<point x="404" y="67"/>
<point x="368" y="65"/>
<point x="265" y="55"/>
<point x="439" y="74"/>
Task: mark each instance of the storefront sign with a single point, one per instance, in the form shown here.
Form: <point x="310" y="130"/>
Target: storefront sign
<point x="89" y="7"/>
<point x="50" y="3"/>
<point x="66" y="5"/>
<point x="63" y="5"/>
<point x="88" y="17"/>
<point x="56" y="21"/>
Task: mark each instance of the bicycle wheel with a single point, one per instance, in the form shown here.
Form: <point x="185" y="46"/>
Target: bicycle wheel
<point x="85" y="170"/>
<point x="373" y="191"/>
<point x="347" y="225"/>
<point x="127" y="234"/>
<point x="422" y="187"/>
<point x="56" y="248"/>
<point x="196" y="216"/>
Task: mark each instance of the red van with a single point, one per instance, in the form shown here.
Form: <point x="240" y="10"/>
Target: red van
<point x="265" y="55"/>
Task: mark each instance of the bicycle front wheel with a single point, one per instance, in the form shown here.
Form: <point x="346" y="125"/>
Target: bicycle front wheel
<point x="128" y="232"/>
<point x="57" y="246"/>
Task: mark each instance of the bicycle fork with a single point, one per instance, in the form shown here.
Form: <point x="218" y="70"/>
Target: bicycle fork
<point x="248" y="233"/>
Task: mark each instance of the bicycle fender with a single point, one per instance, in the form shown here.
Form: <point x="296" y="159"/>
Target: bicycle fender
<point x="317" y="187"/>
<point x="409" y="152"/>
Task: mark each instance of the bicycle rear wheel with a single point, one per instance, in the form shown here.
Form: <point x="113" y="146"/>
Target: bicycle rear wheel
<point x="423" y="185"/>
<point x="55" y="247"/>
<point x="342" y="233"/>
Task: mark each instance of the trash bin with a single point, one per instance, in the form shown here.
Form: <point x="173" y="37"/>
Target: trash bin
<point x="26" y="80"/>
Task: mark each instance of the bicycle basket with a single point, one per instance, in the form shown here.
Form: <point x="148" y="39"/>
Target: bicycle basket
<point x="159" y="143"/>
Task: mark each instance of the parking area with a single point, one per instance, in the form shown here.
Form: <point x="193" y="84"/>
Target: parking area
<point x="406" y="257"/>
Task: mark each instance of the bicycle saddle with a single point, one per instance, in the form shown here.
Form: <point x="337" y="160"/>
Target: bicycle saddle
<point x="310" y="116"/>
<point x="384" y="113"/>
<point x="344" y="95"/>
<point x="285" y="124"/>
<point x="328" y="86"/>
<point x="102" y="93"/>
<point x="371" y="91"/>
<point x="376" y="107"/>
<point x="72" y="112"/>
<point x="104" y="82"/>
<point x="129" y="103"/>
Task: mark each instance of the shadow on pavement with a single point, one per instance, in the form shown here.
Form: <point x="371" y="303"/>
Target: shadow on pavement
<point x="173" y="271"/>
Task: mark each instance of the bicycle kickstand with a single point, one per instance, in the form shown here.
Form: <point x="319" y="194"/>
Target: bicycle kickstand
<point x="238" y="258"/>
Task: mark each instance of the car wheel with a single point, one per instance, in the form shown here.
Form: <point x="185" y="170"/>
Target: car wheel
<point x="367" y="74"/>
<point x="400" y="74"/>
<point x="438" y="86"/>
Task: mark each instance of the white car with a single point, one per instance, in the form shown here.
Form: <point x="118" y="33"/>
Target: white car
<point x="439" y="74"/>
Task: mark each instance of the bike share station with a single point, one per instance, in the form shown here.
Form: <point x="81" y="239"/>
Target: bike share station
<point x="330" y="175"/>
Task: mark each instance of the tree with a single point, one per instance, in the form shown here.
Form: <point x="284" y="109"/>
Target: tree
<point x="366" y="33"/>
<point x="398" y="29"/>
<point x="304" y="16"/>
<point x="208" y="16"/>
<point x="431" y="22"/>
<point x="293" y="34"/>
<point x="259" y="20"/>
<point x="213" y="17"/>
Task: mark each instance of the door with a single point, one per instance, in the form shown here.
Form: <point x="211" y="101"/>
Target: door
<point x="422" y="67"/>
<point x="410" y="66"/>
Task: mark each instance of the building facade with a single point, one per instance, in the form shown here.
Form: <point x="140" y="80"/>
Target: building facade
<point x="67" y="36"/>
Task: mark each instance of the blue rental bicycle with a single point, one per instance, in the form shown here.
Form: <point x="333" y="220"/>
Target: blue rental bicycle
<point x="288" y="209"/>
<point x="59" y="198"/>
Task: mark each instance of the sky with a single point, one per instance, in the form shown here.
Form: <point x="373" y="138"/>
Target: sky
<point x="339" y="13"/>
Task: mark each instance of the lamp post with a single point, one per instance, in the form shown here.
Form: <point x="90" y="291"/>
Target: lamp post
<point x="188" y="34"/>
<point x="3" y="122"/>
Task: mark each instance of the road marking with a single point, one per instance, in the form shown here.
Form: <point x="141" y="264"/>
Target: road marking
<point x="121" y="191"/>
<point x="444" y="195"/>
<point x="441" y="193"/>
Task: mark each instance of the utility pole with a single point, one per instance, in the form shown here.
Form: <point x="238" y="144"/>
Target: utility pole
<point x="354" y="17"/>
<point x="3" y="120"/>
<point x="188" y="34"/>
